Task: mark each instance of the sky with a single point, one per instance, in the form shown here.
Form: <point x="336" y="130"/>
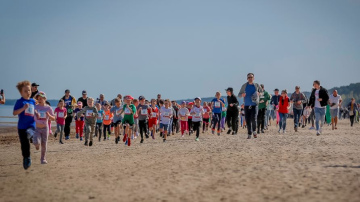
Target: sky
<point x="180" y="49"/>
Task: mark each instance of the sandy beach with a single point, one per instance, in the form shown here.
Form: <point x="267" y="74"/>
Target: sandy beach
<point x="273" y="167"/>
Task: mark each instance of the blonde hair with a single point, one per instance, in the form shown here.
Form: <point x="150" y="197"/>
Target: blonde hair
<point x="22" y="84"/>
<point x="90" y="99"/>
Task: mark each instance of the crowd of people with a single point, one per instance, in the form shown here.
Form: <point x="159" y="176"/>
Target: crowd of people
<point x="133" y="118"/>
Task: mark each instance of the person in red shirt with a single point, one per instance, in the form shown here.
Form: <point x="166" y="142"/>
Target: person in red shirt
<point x="153" y="117"/>
<point x="206" y="117"/>
<point x="284" y="106"/>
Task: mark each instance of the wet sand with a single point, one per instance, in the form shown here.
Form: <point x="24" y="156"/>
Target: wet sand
<point x="273" y="167"/>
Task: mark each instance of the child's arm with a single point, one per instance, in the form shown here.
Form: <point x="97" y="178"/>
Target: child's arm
<point x="81" y="112"/>
<point x="51" y="116"/>
<point x="19" y="111"/>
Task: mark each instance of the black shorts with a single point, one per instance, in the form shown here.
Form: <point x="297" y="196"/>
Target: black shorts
<point x="117" y="123"/>
<point x="206" y="120"/>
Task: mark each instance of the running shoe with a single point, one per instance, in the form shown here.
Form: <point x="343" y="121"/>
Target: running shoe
<point x="77" y="136"/>
<point x="146" y="136"/>
<point x="81" y="138"/>
<point x="213" y="132"/>
<point x="86" y="143"/>
<point x="284" y="131"/>
<point x="126" y="142"/>
<point x="249" y="137"/>
<point x="142" y="140"/>
<point x="44" y="162"/>
<point x="218" y="134"/>
<point x="303" y="126"/>
<point x="255" y="135"/>
<point x="60" y="142"/>
<point x="311" y="128"/>
<point x="233" y="133"/>
<point x="132" y="136"/>
<point x="197" y="139"/>
<point x="55" y="134"/>
<point x="318" y="133"/>
<point x="26" y="162"/>
<point x="164" y="140"/>
<point x="229" y="131"/>
<point x="182" y="135"/>
<point x="129" y="142"/>
<point x="125" y="137"/>
<point x="262" y="131"/>
<point x="296" y="129"/>
<point x="90" y="143"/>
<point x="116" y="140"/>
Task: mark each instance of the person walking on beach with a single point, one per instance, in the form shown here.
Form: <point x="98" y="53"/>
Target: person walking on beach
<point x="284" y="106"/>
<point x="353" y="108"/>
<point x="297" y="99"/>
<point x="318" y="100"/>
<point x="250" y="92"/>
<point x="24" y="109"/>
<point x="335" y="101"/>
<point x="275" y="102"/>
<point x="264" y="99"/>
<point x="232" y="113"/>
<point x="70" y="104"/>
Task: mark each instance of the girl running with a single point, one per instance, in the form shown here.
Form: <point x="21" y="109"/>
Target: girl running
<point x="61" y="114"/>
<point x="217" y="104"/>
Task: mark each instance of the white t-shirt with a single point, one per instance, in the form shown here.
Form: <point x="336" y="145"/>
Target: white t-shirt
<point x="183" y="112"/>
<point x="317" y="103"/>
<point x="335" y="100"/>
<point x="199" y="112"/>
<point x="165" y="115"/>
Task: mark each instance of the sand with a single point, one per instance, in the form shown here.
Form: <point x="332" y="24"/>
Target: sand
<point x="273" y="167"/>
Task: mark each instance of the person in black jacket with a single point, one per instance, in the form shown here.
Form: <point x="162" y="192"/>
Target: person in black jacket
<point x="318" y="100"/>
<point x="232" y="114"/>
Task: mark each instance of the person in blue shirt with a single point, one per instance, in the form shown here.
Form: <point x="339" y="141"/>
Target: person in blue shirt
<point x="250" y="92"/>
<point x="217" y="105"/>
<point x="25" y="109"/>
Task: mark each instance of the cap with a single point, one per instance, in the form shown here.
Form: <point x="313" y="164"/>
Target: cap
<point x="141" y="97"/>
<point x="84" y="92"/>
<point x="80" y="103"/>
<point x="190" y="103"/>
<point x="229" y="89"/>
<point x="41" y="94"/>
<point x="35" y="84"/>
<point x="129" y="97"/>
<point x="197" y="98"/>
<point x="276" y="89"/>
<point x="183" y="102"/>
<point x="297" y="87"/>
<point x="67" y="90"/>
<point x="106" y="104"/>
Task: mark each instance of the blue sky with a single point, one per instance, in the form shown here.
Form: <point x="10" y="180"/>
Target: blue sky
<point x="181" y="49"/>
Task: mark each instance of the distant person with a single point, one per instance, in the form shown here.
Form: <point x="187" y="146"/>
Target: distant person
<point x="101" y="101"/>
<point x="70" y="104"/>
<point x="34" y="89"/>
<point x="83" y="99"/>
<point x="232" y="113"/>
<point x="24" y="109"/>
<point x="275" y="102"/>
<point x="264" y="101"/>
<point x="90" y="112"/>
<point x="2" y="97"/>
<point x="297" y="99"/>
<point x="250" y="92"/>
<point x="113" y="102"/>
<point x="217" y="104"/>
<point x="158" y="100"/>
<point x="335" y="102"/>
<point x="318" y="100"/>
<point x="61" y="115"/>
<point x="353" y="108"/>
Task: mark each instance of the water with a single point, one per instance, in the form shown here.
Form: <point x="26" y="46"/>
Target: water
<point x="6" y="116"/>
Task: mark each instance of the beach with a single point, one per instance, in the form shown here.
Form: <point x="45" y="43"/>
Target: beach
<point x="274" y="167"/>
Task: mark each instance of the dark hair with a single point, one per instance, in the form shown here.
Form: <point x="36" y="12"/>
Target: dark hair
<point x="250" y="74"/>
<point x="161" y="101"/>
<point x="317" y="82"/>
<point x="61" y="100"/>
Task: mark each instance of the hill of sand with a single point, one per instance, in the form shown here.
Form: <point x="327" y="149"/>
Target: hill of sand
<point x="274" y="167"/>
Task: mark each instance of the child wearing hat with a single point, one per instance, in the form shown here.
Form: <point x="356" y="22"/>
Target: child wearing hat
<point x="43" y="113"/>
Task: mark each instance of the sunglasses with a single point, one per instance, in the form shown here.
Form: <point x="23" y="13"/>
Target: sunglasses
<point x="250" y="77"/>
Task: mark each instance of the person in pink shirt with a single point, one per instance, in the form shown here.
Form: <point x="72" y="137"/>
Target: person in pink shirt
<point x="206" y="116"/>
<point x="43" y="113"/>
<point x="61" y="114"/>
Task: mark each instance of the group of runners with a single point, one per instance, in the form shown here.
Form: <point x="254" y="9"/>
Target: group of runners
<point x="131" y="117"/>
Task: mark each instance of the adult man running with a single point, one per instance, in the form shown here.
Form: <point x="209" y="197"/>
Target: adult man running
<point x="297" y="99"/>
<point x="232" y="113"/>
<point x="318" y="100"/>
<point x="83" y="99"/>
<point x="70" y="104"/>
<point x="335" y="102"/>
<point x="250" y="92"/>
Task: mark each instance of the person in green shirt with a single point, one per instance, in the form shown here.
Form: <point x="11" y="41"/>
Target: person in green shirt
<point x="129" y="111"/>
<point x="263" y="102"/>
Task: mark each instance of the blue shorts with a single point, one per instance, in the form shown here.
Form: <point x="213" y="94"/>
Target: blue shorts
<point x="164" y="126"/>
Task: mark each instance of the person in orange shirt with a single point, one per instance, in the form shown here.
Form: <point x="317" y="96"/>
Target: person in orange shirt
<point x="107" y="120"/>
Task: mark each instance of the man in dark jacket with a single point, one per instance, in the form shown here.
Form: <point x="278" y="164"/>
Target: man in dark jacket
<point x="318" y="100"/>
<point x="232" y="113"/>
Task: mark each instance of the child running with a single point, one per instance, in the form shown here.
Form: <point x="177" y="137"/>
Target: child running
<point x="135" y="133"/>
<point x="183" y="114"/>
<point x="61" y="114"/>
<point x="79" y="121"/>
<point x="128" y="120"/>
<point x="217" y="104"/>
<point x="206" y="117"/>
<point x="154" y="115"/>
<point x="107" y="121"/>
<point x="166" y="113"/>
<point x="197" y="112"/>
<point x="90" y="119"/>
<point x="43" y="113"/>
<point x="99" y="121"/>
<point x="24" y="109"/>
<point x="143" y="114"/>
<point x="117" y="118"/>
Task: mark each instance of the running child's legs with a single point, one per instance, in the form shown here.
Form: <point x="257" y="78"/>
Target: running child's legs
<point x="196" y="127"/>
